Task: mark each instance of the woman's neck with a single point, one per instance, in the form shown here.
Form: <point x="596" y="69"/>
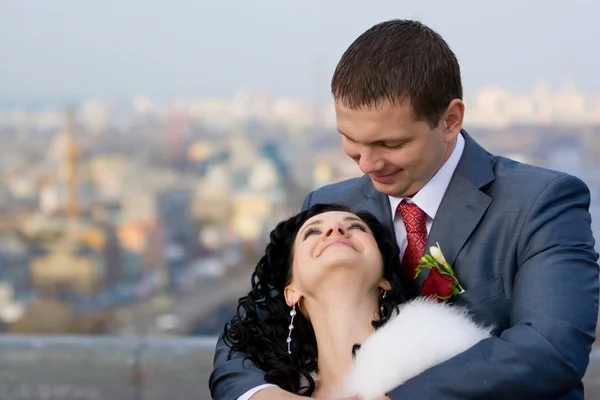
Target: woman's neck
<point x="340" y="320"/>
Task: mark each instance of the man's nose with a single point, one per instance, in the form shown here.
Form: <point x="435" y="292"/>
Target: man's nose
<point x="369" y="163"/>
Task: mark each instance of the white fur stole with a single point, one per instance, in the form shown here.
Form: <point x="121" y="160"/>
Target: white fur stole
<point x="423" y="334"/>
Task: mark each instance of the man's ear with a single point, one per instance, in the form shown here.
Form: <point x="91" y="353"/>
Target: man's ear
<point x="453" y="119"/>
<point x="292" y="296"/>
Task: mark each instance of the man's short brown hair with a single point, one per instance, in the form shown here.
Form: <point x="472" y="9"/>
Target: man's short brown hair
<point x="399" y="60"/>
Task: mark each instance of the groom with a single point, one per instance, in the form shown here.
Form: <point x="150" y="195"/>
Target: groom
<point x="519" y="237"/>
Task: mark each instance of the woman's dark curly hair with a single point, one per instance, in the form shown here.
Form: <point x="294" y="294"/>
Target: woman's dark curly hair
<point x="260" y="328"/>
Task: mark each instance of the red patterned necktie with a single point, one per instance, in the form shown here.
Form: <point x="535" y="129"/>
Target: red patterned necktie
<point x="416" y="232"/>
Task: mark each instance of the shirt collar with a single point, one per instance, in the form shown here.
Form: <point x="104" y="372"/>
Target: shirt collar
<point x="430" y="196"/>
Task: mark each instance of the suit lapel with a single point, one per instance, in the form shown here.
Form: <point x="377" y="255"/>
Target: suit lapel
<point x="463" y="204"/>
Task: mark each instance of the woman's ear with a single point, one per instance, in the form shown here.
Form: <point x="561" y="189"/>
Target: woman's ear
<point x="385" y="285"/>
<point x="292" y="296"/>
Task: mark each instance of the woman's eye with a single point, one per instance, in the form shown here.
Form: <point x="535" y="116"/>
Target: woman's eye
<point x="311" y="231"/>
<point x="356" y="225"/>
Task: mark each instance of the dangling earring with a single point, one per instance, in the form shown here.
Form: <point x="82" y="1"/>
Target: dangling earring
<point x="381" y="307"/>
<point x="290" y="328"/>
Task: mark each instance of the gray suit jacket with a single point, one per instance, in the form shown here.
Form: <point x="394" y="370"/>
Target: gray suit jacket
<point x="519" y="238"/>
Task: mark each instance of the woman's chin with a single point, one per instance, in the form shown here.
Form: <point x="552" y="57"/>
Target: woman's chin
<point x="345" y="278"/>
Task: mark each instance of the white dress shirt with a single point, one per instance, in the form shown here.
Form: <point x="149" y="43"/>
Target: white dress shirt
<point x="428" y="199"/>
<point x="252" y="392"/>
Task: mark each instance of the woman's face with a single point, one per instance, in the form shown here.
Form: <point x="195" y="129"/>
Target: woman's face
<point x="335" y="246"/>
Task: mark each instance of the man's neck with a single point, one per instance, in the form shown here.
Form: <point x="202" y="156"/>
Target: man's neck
<point x="340" y="320"/>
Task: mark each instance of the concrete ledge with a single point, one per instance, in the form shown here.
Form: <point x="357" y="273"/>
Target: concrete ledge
<point x="176" y="369"/>
<point x="101" y="368"/>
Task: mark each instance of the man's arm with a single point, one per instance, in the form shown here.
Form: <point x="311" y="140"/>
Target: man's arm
<point x="306" y="203"/>
<point x="232" y="378"/>
<point x="545" y="352"/>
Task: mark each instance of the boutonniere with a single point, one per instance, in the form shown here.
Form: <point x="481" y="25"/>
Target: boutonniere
<point x="441" y="283"/>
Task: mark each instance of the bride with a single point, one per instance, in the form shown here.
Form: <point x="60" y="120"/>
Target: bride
<point x="331" y="316"/>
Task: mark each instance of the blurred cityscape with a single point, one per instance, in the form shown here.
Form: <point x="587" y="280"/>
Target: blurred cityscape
<point x="146" y="218"/>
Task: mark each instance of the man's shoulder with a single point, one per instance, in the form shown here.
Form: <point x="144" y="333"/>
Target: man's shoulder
<point x="522" y="176"/>
<point x="348" y="185"/>
<point x="527" y="178"/>
<point x="345" y="192"/>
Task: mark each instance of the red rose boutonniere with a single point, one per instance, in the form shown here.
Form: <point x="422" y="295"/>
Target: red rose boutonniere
<point x="441" y="283"/>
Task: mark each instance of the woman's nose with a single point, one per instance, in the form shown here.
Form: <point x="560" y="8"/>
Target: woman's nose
<point x="335" y="229"/>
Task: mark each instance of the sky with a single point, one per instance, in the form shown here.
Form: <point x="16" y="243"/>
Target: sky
<point x="65" y="50"/>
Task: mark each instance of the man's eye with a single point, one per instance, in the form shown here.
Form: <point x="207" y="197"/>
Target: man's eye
<point x="392" y="145"/>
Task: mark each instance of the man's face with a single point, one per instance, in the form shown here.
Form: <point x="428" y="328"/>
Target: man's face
<point x="400" y="153"/>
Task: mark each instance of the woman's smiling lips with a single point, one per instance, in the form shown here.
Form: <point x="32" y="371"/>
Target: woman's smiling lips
<point x="335" y="242"/>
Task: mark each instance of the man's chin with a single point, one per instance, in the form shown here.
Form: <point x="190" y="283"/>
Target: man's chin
<point x="388" y="189"/>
